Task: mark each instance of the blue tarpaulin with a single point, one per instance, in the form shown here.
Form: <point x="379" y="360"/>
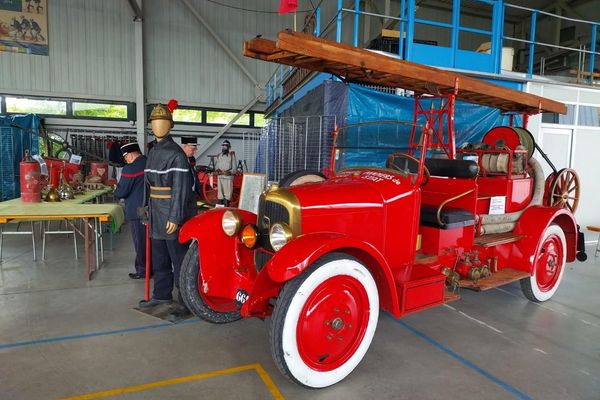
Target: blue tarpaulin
<point x="366" y="145"/>
<point x="17" y="134"/>
<point x="370" y="144"/>
<point x="471" y="121"/>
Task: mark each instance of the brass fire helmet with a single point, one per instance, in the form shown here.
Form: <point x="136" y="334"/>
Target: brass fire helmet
<point x="52" y="195"/>
<point x="161" y="112"/>
<point x="65" y="192"/>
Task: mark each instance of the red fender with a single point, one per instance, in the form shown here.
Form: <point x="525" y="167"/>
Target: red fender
<point x="532" y="224"/>
<point x="227" y="265"/>
<point x="301" y="252"/>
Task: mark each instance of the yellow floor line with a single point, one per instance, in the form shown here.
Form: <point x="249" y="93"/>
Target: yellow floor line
<point x="137" y="388"/>
<point x="269" y="382"/>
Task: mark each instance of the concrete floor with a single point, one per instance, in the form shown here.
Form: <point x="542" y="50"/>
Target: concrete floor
<point x="62" y="337"/>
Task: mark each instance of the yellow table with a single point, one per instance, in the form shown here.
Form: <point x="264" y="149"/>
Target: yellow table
<point x="91" y="214"/>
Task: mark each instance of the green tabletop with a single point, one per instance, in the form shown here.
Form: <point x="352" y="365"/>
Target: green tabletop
<point x="89" y="195"/>
<point x="15" y="209"/>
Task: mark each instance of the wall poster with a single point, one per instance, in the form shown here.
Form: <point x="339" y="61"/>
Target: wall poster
<point x="24" y="26"/>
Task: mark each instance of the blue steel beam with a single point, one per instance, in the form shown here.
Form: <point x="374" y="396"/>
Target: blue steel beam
<point x="338" y="27"/>
<point x="410" y="34"/>
<point x="593" y="50"/>
<point x="531" y="43"/>
<point x="455" y="30"/>
<point x="356" y="11"/>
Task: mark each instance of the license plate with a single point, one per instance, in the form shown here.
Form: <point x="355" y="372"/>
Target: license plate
<point x="241" y="296"/>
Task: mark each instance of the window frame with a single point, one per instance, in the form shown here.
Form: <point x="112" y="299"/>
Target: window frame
<point x="130" y="109"/>
<point x="69" y="107"/>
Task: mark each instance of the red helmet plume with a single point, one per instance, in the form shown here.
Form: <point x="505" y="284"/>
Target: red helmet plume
<point x="172" y="105"/>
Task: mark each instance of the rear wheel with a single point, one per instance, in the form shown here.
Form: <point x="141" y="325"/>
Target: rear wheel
<point x="548" y="266"/>
<point x="324" y="321"/>
<point x="212" y="309"/>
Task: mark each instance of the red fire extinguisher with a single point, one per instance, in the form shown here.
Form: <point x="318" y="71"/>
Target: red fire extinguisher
<point x="30" y="179"/>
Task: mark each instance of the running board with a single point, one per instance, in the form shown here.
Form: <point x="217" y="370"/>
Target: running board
<point x="495" y="239"/>
<point x="499" y="278"/>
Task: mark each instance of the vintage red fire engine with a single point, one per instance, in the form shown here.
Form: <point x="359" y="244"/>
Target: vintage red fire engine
<point x="393" y="229"/>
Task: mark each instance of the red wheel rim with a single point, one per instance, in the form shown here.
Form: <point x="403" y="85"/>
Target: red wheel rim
<point x="210" y="193"/>
<point x="549" y="263"/>
<point x="332" y="323"/>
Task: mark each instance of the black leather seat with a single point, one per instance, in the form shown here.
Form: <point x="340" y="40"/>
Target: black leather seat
<point x="452" y="168"/>
<point x="451" y="217"/>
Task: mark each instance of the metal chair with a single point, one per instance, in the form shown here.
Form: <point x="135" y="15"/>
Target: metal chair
<point x="17" y="232"/>
<point x="46" y="231"/>
<point x="595" y="229"/>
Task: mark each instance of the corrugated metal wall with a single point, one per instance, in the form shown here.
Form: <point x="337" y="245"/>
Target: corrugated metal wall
<point x="91" y="53"/>
<point x="184" y="61"/>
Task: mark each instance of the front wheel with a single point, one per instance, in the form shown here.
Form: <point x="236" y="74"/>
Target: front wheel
<point x="209" y="308"/>
<point x="548" y="266"/>
<point x="324" y="321"/>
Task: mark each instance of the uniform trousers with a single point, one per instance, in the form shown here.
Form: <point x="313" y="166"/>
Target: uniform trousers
<point x="225" y="187"/>
<point x="167" y="256"/>
<point x="138" y="234"/>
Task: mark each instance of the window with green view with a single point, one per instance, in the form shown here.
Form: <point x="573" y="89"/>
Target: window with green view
<point x="187" y="115"/>
<point x="99" y="110"/>
<point x="224" y="117"/>
<point x="35" y="106"/>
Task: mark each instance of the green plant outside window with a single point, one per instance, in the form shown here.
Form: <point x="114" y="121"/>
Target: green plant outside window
<point x="100" y="110"/>
<point x="259" y="120"/>
<point x="35" y="106"/>
<point x="187" y="115"/>
<point x="224" y="117"/>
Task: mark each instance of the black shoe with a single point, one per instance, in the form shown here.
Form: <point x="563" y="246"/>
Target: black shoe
<point x="153" y="302"/>
<point x="135" y="275"/>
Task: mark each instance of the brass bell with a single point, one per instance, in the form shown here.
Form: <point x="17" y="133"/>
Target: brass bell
<point x="52" y="195"/>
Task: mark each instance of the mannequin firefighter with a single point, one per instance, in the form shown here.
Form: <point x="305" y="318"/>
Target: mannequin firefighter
<point x="131" y="188"/>
<point x="225" y="166"/>
<point x="189" y="145"/>
<point x="171" y="202"/>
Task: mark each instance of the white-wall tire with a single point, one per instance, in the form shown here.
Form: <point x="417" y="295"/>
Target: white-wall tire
<point x="548" y="266"/>
<point x="321" y="347"/>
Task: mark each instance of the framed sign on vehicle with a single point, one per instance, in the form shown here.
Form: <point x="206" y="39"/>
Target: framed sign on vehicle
<point x="252" y="186"/>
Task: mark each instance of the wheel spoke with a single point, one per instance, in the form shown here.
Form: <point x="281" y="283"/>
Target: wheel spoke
<point x="569" y="207"/>
<point x="571" y="177"/>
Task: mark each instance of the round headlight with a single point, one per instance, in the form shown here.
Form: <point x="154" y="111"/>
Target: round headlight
<point x="231" y="222"/>
<point x="249" y="236"/>
<point x="279" y="235"/>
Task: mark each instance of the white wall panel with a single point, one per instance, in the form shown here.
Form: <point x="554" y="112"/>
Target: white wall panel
<point x="585" y="162"/>
<point x="91" y="53"/>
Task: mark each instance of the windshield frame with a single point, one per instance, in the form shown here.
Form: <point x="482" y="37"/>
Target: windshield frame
<point x="419" y="147"/>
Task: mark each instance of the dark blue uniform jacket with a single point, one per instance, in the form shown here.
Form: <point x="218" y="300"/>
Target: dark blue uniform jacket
<point x="197" y="186"/>
<point x="131" y="187"/>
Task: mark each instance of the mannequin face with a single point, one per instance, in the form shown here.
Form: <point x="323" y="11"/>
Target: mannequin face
<point x="160" y="128"/>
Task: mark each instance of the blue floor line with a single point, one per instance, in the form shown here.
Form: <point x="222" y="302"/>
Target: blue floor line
<point x="96" y="334"/>
<point x="461" y="359"/>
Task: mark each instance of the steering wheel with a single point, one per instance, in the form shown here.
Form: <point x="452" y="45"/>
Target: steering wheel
<point x="406" y="164"/>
